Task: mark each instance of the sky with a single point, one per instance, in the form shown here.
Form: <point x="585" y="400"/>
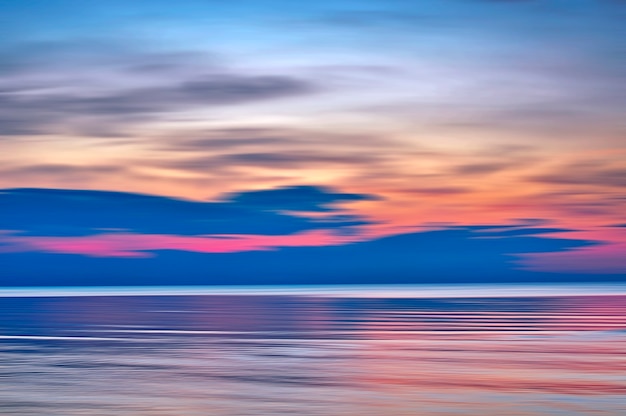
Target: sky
<point x="243" y="141"/>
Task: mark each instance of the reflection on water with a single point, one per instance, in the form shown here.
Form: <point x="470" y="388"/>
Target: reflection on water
<point x="312" y="355"/>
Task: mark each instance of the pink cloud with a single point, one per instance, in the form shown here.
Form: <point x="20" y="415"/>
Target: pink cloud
<point x="139" y="245"/>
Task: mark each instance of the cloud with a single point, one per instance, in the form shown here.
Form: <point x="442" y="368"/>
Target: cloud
<point x="600" y="259"/>
<point x="454" y="255"/>
<point x="588" y="173"/>
<point x="53" y="87"/>
<point x="92" y="56"/>
<point x="24" y="114"/>
<point x="55" y="212"/>
<point x="279" y="160"/>
<point x="295" y="198"/>
<point x="436" y="191"/>
<point x="290" y="235"/>
<point x="225" y="142"/>
<point x="52" y="169"/>
<point x="276" y="138"/>
<point x="280" y="148"/>
<point x="481" y="168"/>
<point x="141" y="245"/>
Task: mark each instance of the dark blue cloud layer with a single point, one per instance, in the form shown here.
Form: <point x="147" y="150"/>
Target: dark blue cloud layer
<point x="30" y="114"/>
<point x="460" y="255"/>
<point x="56" y="212"/>
<point x="453" y="255"/>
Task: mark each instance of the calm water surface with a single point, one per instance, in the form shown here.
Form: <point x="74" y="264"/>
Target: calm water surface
<point x="312" y="355"/>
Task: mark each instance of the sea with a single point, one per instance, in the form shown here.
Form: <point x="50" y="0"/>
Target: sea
<point x="515" y="350"/>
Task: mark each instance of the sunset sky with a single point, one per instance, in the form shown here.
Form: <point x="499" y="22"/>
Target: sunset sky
<point x="490" y="129"/>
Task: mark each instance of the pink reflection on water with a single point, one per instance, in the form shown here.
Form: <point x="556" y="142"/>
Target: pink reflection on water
<point x="236" y="355"/>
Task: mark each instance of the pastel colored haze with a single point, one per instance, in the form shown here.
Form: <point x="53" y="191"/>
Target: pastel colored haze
<point x="272" y="141"/>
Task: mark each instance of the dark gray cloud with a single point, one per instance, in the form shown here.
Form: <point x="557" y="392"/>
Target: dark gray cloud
<point x="52" y="169"/>
<point x="225" y="151"/>
<point x="278" y="160"/>
<point x="211" y="90"/>
<point x="293" y="159"/>
<point x="96" y="86"/>
<point x="606" y="177"/>
<point x="39" y="113"/>
<point x="586" y="173"/>
<point x="209" y="144"/>
<point x="281" y="138"/>
<point x="436" y="190"/>
<point x="481" y="168"/>
<point x="580" y="200"/>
